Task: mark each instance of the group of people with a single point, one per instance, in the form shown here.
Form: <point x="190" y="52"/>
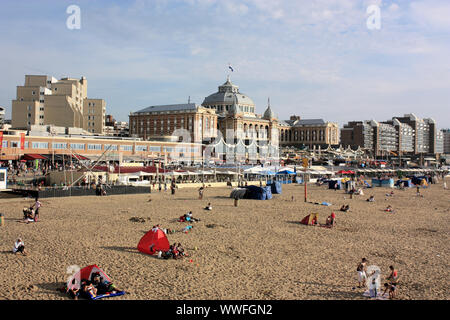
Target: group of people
<point x="31" y="214"/>
<point x="176" y="251"/>
<point x="187" y="217"/>
<point x="390" y="286"/>
<point x="92" y="288"/>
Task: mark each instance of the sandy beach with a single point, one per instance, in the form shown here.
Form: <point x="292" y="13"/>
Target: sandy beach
<point x="257" y="250"/>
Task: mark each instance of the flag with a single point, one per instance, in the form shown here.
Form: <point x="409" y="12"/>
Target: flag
<point x="231" y="68"/>
<point x="22" y="141"/>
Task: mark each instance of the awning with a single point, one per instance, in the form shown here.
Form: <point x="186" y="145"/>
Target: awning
<point x="31" y="156"/>
<point x="80" y="157"/>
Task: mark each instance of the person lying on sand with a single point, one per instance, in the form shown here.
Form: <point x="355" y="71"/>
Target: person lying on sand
<point x="188" y="217"/>
<point x="371" y="199"/>
<point x="89" y="290"/>
<point x="391" y="194"/>
<point x="102" y="285"/>
<point x="345" y="208"/>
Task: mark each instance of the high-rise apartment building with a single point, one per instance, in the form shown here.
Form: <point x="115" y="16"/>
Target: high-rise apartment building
<point x="44" y="100"/>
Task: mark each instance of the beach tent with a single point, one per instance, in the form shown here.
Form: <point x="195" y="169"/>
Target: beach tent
<point x="308" y="220"/>
<point x="86" y="273"/>
<point x="404" y="182"/>
<point x="332" y="184"/>
<point x="286" y="171"/>
<point x="256" y="193"/>
<point x="387" y="183"/>
<point x="275" y="187"/>
<point x="153" y="241"/>
<point x="238" y="193"/>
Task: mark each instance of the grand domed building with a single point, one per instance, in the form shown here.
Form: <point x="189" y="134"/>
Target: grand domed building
<point x="227" y="119"/>
<point x="236" y="113"/>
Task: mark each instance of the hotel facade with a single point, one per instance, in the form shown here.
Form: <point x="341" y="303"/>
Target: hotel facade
<point x="44" y="100"/>
<point x="227" y="119"/>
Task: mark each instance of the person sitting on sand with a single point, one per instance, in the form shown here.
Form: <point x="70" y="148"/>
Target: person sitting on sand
<point x="371" y="199"/>
<point x="208" y="207"/>
<point x="345" y="208"/>
<point x="391" y="288"/>
<point x="19" y="246"/>
<point x="314" y="221"/>
<point x="28" y="215"/>
<point x="393" y="277"/>
<point x="389" y="209"/>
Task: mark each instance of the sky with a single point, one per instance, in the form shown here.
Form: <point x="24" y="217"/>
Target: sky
<point x="315" y="59"/>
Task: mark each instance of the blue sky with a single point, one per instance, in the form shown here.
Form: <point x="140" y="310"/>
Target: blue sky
<point x="316" y="59"/>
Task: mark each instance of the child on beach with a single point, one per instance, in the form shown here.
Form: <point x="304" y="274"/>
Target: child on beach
<point x="19" y="246"/>
<point x="361" y="269"/>
<point x="391" y="288"/>
<point x="373" y="288"/>
<point x="37" y="205"/>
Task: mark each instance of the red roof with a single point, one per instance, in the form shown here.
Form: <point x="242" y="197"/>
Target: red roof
<point x="30" y="156"/>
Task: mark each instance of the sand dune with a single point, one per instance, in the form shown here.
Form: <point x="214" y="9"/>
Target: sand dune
<point x="255" y="251"/>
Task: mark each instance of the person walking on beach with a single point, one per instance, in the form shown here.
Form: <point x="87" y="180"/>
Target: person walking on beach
<point x="362" y="275"/>
<point x="173" y="187"/>
<point x="200" y="192"/>
<point x="36" y="206"/>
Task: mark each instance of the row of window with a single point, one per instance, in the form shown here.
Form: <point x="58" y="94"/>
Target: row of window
<point x="82" y="146"/>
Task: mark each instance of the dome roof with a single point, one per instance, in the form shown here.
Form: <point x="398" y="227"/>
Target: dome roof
<point x="227" y="94"/>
